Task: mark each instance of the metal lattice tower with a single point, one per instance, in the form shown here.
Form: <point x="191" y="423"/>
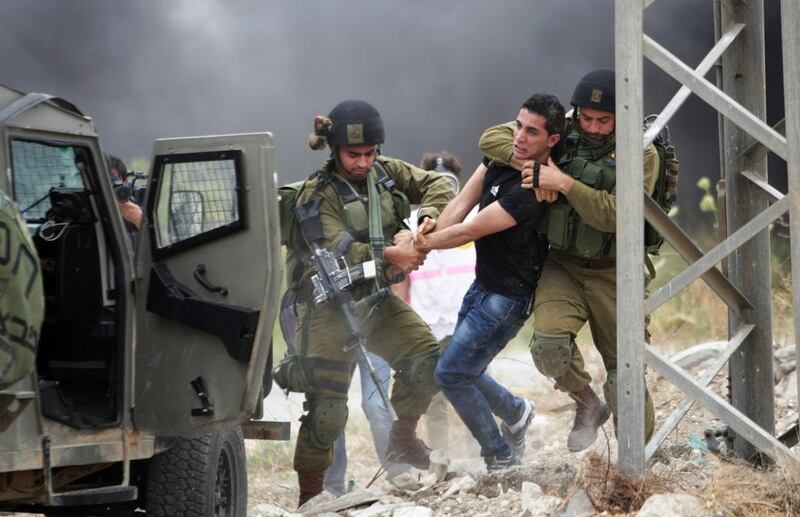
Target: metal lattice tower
<point x="751" y="205"/>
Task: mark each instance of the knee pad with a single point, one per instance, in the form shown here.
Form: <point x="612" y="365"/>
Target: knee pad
<point x="418" y="370"/>
<point x="327" y="419"/>
<point x="552" y="354"/>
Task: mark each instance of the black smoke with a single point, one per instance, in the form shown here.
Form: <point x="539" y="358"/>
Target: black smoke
<point x="439" y="71"/>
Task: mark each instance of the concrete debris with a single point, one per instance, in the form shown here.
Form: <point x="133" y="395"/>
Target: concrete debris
<point x="579" y="506"/>
<point x="439" y="463"/>
<point x="356" y="498"/>
<point x="318" y="500"/>
<point x="529" y="493"/>
<point x="543" y="506"/>
<point x="406" y="481"/>
<point x="430" y="479"/>
<point x="461" y="484"/>
<point x="380" y="509"/>
<point x="672" y="505"/>
<point x="552" y="474"/>
<point x="413" y="511"/>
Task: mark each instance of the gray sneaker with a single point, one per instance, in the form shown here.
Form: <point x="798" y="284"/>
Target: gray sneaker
<point x="515" y="433"/>
<point x="495" y="463"/>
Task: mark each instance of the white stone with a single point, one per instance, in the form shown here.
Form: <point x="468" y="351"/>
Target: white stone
<point x="380" y="509"/>
<point x="413" y="511"/>
<point x="544" y="505"/>
<point x="529" y="493"/>
<point x="579" y="506"/>
<point x="439" y="463"/>
<point x="458" y="485"/>
<point x="358" y="497"/>
<point x="406" y="481"/>
<point x="429" y="479"/>
<point x="659" y="469"/>
<point x="672" y="505"/>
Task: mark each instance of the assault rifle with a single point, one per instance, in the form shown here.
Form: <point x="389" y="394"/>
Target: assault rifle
<point x="333" y="282"/>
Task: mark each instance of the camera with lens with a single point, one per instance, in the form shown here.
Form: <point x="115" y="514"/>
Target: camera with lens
<point x="122" y="190"/>
<point x="130" y="190"/>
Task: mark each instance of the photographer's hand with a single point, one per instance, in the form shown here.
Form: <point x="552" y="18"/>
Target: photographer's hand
<point x="130" y="212"/>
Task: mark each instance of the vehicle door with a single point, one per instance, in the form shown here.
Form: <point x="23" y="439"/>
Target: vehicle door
<point x="208" y="273"/>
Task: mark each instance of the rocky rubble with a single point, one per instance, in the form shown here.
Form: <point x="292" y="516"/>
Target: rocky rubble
<point x="554" y="482"/>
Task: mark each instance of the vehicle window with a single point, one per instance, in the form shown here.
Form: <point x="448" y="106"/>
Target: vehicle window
<point x="37" y="167"/>
<point x="198" y="198"/>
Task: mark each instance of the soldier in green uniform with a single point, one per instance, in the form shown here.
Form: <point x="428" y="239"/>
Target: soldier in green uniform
<point x="21" y="298"/>
<point x="353" y="180"/>
<point x="579" y="279"/>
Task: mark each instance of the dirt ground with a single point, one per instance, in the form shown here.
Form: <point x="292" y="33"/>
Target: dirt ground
<point x="681" y="465"/>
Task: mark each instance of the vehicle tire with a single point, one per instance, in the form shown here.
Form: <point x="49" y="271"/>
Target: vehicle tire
<point x="199" y="477"/>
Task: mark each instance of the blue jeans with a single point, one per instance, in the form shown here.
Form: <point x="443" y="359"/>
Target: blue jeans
<point x="486" y="323"/>
<point x="380" y="423"/>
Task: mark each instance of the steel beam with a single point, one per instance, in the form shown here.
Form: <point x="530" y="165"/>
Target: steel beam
<point x="680" y="97"/>
<point x="720" y="101"/>
<point x="691" y="253"/>
<point x="743" y="78"/>
<point x="738" y="421"/>
<point x="761" y="183"/>
<point x="628" y="19"/>
<point x="719" y="252"/>
<point x="790" y="13"/>
<point x="757" y="151"/>
<point x="686" y="404"/>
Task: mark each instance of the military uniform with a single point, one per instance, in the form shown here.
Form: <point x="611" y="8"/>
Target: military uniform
<point x="391" y="328"/>
<point x="579" y="278"/>
<point x="22" y="301"/>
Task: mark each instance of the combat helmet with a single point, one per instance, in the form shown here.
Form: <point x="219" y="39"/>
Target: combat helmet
<point x="596" y="90"/>
<point x="355" y="122"/>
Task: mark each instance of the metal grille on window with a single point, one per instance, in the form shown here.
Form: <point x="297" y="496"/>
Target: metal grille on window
<point x="38" y="168"/>
<point x="202" y="197"/>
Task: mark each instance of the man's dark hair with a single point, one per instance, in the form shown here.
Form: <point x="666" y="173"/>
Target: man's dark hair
<point x="114" y="162"/>
<point x="429" y="161"/>
<point x="550" y="108"/>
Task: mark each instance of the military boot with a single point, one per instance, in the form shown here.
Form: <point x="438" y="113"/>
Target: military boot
<point x="404" y="446"/>
<point x="590" y="414"/>
<point x="310" y="485"/>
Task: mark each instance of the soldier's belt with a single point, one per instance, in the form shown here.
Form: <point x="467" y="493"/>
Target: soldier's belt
<point x="588" y="263"/>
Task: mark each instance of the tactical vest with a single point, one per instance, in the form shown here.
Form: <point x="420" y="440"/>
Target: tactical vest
<point x="395" y="208"/>
<point x="596" y="168"/>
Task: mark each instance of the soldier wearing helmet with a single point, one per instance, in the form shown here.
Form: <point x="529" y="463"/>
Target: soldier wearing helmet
<point x="579" y="280"/>
<point x="358" y="193"/>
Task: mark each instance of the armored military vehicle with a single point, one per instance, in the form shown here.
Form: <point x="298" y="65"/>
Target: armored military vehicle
<point x="153" y="358"/>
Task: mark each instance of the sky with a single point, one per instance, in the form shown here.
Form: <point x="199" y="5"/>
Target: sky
<point x="439" y="71"/>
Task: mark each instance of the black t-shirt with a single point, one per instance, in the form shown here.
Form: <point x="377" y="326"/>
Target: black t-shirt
<point x="510" y="262"/>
